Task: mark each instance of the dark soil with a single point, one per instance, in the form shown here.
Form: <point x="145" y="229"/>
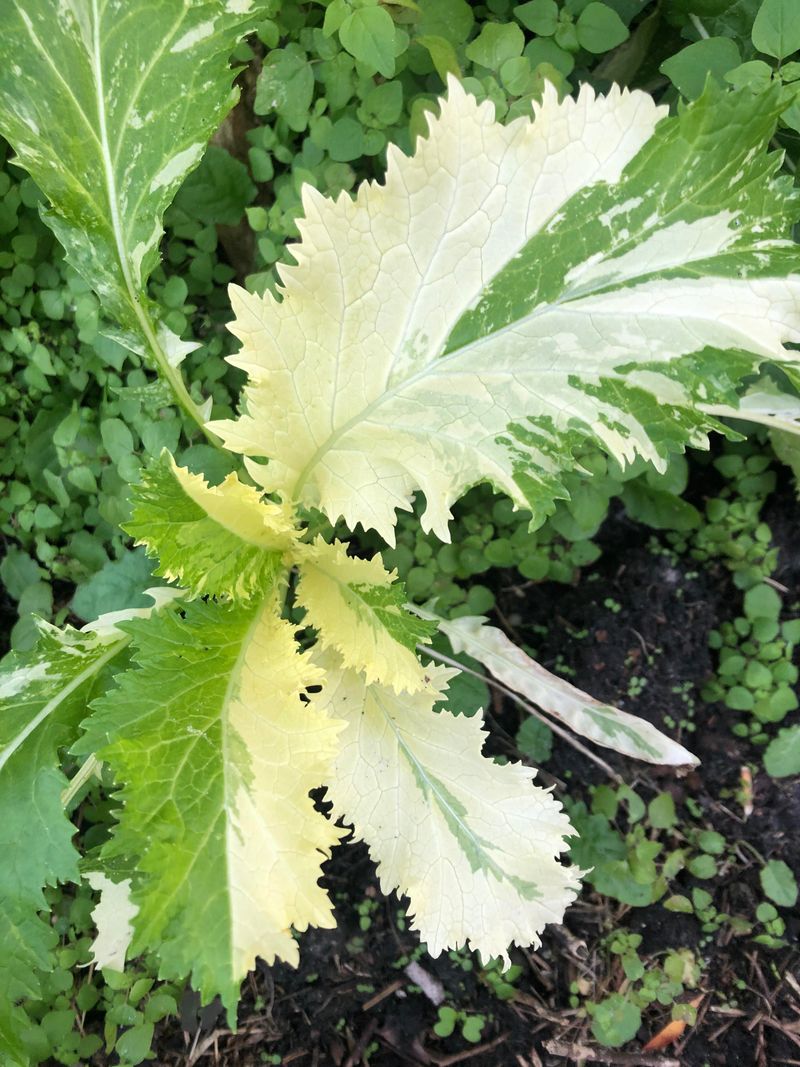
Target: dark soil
<point x="352" y="1001"/>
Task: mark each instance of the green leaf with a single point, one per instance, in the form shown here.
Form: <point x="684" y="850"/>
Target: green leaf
<point x="615" y="1021"/>
<point x="217" y="754"/>
<point x="117" y="440"/>
<point x="466" y="693"/>
<point x="782" y="757"/>
<point x="711" y="57"/>
<point x="382" y="105"/>
<point x="538" y="16"/>
<point x="219" y="190"/>
<point x="442" y="53"/>
<point x="286" y="86"/>
<point x="368" y="35"/>
<point x="600" y="28"/>
<point x="119" y="584"/>
<point x="535" y="740"/>
<point x="108" y="112"/>
<point x="762" y="602"/>
<point x="658" y="509"/>
<point x="779" y="883"/>
<point x="44" y="695"/>
<point x="220" y="541"/>
<point x="704" y="867"/>
<point x="134" y="1044"/>
<point x="346" y="140"/>
<point x="755" y="75"/>
<point x="612" y="306"/>
<point x="451" y="19"/>
<point x="776" y="29"/>
<point x="495" y="44"/>
<point x="545" y="54"/>
<point x="661" y="812"/>
<point x="18" y="571"/>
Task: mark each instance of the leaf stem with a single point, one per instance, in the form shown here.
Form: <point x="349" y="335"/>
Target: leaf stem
<point x="698" y="25"/>
<point x="91" y="765"/>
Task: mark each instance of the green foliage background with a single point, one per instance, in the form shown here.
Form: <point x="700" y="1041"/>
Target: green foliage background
<point x="325" y="89"/>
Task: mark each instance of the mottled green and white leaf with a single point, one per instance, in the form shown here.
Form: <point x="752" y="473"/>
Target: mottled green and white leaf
<point x="219" y="540"/>
<point x="602" y="723"/>
<point x="108" y="107"/>
<point x="43" y="697"/>
<point x="358" y="608"/>
<point x="216" y="754"/>
<point x="596" y="272"/>
<point x="474" y="845"/>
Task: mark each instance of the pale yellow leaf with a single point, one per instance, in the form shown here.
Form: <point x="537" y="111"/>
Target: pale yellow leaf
<point x="358" y="609"/>
<point x="473" y="844"/>
<point x="275" y="840"/>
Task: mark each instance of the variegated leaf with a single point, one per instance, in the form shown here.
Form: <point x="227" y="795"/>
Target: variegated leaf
<point x="108" y="107"/>
<point x="216" y="760"/>
<point x="602" y="723"/>
<point x="359" y="609"/>
<point x="473" y="844"/>
<point x="43" y="697"/>
<point x="218" y="540"/>
<point x="599" y="271"/>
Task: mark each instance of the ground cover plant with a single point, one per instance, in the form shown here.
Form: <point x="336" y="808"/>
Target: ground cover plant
<point x="653" y="304"/>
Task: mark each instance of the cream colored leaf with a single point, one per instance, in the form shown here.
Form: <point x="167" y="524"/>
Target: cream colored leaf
<point x="113" y="916"/>
<point x="473" y="844"/>
<point x="358" y="608"/>
<point x="597" y="272"/>
<point x="601" y="723"/>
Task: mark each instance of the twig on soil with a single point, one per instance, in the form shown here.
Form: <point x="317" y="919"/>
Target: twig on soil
<point x="559" y="730"/>
<point x="199" y="1050"/>
<point x="525" y="1000"/>
<point x="461" y="1057"/>
<point x="383" y="994"/>
<point x="356" y="1056"/>
<point x="604" y="1055"/>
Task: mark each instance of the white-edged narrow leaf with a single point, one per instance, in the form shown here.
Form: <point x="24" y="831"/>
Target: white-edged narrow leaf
<point x="108" y="105"/>
<point x="596" y="272"/>
<point x="216" y="754"/>
<point x="602" y="723"/>
<point x="113" y="916"/>
<point x="473" y="844"/>
<point x="43" y="697"/>
<point x="218" y="540"/>
<point x="359" y="610"/>
<point x="764" y="403"/>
